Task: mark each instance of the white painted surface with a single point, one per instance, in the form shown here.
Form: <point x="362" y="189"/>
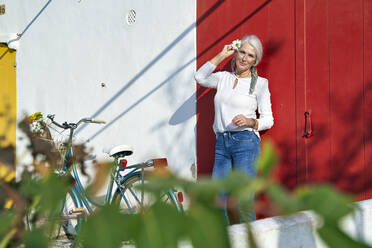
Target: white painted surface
<point x="298" y="230"/>
<point x="359" y="225"/>
<point x="69" y="48"/>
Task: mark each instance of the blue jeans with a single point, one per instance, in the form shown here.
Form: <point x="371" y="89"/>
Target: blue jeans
<point x="236" y="151"/>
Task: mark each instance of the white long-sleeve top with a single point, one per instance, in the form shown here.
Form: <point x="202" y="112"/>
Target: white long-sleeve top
<point x="229" y="102"/>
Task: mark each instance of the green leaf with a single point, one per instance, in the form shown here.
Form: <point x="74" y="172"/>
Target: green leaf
<point x="333" y="236"/>
<point x="281" y="197"/>
<point x="51" y="191"/>
<point x="36" y="238"/>
<point x="205" y="190"/>
<point x="267" y="160"/>
<point x="162" y="226"/>
<point x="7" y="218"/>
<point x="108" y="227"/>
<point x="208" y="228"/>
<point x="326" y="202"/>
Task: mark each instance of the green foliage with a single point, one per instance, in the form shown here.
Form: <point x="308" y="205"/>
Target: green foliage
<point x="325" y="201"/>
<point x="107" y="227"/>
<point x="267" y="160"/>
<point x="6" y="219"/>
<point x="161" y="225"/>
<point x="36" y="238"/>
<point x="47" y="193"/>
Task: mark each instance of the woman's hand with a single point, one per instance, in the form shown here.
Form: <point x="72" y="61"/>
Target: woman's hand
<point x="241" y="120"/>
<point x="227" y="51"/>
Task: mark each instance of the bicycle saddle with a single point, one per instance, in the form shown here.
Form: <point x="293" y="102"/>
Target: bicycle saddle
<point x="121" y="151"/>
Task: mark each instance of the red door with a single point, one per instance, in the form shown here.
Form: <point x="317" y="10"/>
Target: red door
<point x="318" y="59"/>
<point x="332" y="85"/>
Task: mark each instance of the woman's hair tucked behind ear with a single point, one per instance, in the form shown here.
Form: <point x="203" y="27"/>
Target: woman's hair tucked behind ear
<point x="255" y="42"/>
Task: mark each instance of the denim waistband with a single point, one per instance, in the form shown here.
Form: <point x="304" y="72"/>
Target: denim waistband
<point x="233" y="132"/>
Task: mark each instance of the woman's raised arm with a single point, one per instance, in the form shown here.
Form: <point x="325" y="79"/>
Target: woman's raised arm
<point x="204" y="75"/>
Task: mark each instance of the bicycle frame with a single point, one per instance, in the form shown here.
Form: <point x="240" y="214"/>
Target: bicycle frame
<point x="78" y="192"/>
<point x="81" y="196"/>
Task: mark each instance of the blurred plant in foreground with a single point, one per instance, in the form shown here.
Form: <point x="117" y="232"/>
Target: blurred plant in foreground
<point x="202" y="224"/>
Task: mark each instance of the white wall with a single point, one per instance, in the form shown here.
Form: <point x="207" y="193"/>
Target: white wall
<point x="298" y="230"/>
<point x="72" y="46"/>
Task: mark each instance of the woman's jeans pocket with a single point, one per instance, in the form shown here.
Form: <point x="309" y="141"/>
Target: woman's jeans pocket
<point x="245" y="136"/>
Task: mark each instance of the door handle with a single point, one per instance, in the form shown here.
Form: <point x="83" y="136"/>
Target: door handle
<point x="308" y="132"/>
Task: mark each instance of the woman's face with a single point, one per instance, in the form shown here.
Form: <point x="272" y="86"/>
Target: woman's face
<point x="245" y="57"/>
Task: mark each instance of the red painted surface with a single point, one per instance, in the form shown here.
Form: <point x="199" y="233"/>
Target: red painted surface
<point x="346" y="95"/>
<point x="331" y="56"/>
<point x="317" y="57"/>
<point x="367" y="91"/>
<point x="312" y="90"/>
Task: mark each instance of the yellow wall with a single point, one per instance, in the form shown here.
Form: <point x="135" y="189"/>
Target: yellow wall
<point x="8" y="104"/>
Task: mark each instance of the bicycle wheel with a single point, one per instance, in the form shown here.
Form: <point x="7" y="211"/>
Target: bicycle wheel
<point x="32" y="221"/>
<point x="136" y="199"/>
<point x="69" y="221"/>
<point x="72" y="214"/>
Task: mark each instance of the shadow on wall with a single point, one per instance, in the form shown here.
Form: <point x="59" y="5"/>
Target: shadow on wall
<point x="31" y="22"/>
<point x="184" y="112"/>
<point x="157" y="58"/>
<point x="145" y="69"/>
<point x="132" y="106"/>
<point x="5" y="52"/>
<point x="356" y="144"/>
<point x="346" y="171"/>
<point x="7" y="122"/>
<point x="232" y="29"/>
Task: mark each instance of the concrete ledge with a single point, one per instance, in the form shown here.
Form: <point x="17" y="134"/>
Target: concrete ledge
<point x="298" y="230"/>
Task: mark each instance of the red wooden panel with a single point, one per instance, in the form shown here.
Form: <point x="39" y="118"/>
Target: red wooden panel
<point x="300" y="68"/>
<point x="316" y="85"/>
<point x="347" y="96"/>
<point x="279" y="66"/>
<point x="367" y="123"/>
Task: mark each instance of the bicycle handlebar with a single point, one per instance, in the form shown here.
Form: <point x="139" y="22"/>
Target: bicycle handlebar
<point x="98" y="121"/>
<point x="66" y="125"/>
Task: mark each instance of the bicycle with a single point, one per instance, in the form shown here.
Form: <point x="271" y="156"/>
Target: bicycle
<point x="122" y="188"/>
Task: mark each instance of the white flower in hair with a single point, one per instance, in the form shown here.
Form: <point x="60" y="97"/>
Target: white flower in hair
<point x="236" y="44"/>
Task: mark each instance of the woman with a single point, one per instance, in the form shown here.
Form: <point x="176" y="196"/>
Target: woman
<point x="239" y="94"/>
